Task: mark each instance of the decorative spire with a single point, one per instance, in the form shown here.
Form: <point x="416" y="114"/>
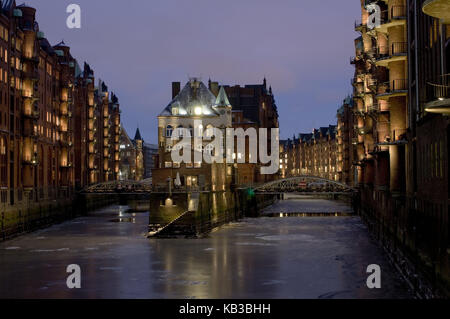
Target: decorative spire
<point x="222" y="99"/>
<point x="138" y="136"/>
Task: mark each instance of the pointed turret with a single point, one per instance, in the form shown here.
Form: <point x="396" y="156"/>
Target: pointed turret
<point x="138" y="136"/>
<point x="222" y="99"/>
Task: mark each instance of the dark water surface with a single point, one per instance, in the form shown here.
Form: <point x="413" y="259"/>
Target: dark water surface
<point x="267" y="257"/>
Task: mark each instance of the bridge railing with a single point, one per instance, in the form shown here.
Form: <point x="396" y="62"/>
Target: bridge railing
<point x="304" y="184"/>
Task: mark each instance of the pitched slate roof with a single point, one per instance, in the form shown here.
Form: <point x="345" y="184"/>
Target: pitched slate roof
<point x="194" y="94"/>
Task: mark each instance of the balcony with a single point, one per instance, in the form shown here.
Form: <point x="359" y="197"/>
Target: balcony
<point x="360" y="113"/>
<point x="372" y="84"/>
<point x="398" y="137"/>
<point x="438" y="95"/>
<point x="378" y="108"/>
<point x="33" y="161"/>
<point x="63" y="142"/>
<point x="33" y="59"/>
<point x="394" y="17"/>
<point x="31" y="114"/>
<point x="394" y="88"/>
<point x="439" y="9"/>
<point x="66" y="166"/>
<point x="398" y="51"/>
<point x="33" y="74"/>
<point x="359" y="26"/>
<point x="355" y="141"/>
<point x="30" y="131"/>
<point x="364" y="130"/>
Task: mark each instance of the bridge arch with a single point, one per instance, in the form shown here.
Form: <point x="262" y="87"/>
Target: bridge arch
<point x="118" y="187"/>
<point x="304" y="183"/>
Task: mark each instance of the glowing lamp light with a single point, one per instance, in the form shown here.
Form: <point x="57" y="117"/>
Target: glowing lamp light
<point x="198" y="110"/>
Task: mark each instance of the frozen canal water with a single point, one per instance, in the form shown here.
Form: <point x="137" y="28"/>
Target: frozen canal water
<point x="267" y="257"/>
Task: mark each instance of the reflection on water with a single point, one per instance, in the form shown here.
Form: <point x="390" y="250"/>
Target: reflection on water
<point x="313" y="214"/>
<point x="316" y="257"/>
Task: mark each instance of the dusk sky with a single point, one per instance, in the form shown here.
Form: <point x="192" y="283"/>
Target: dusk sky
<point x="139" y="47"/>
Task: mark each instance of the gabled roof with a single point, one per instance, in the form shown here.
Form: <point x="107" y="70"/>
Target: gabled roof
<point x="60" y="44"/>
<point x="125" y="139"/>
<point x="194" y="94"/>
<point x="305" y="137"/>
<point x="46" y="46"/>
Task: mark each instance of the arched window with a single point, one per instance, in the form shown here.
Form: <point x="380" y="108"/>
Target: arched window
<point x="169" y="131"/>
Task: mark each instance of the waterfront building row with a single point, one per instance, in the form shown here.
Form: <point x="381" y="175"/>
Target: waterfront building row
<point x="59" y="130"/>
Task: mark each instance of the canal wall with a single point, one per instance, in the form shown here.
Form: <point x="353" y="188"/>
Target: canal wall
<point x="194" y="215"/>
<point x="27" y="217"/>
<point x="413" y="239"/>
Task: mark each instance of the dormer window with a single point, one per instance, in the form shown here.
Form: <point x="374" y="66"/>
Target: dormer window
<point x="175" y="111"/>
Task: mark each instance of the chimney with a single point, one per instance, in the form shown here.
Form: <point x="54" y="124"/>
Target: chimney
<point x="214" y="88"/>
<point x="176" y="87"/>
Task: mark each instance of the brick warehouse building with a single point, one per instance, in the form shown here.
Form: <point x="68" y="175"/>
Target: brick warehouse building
<point x="252" y="106"/>
<point x="58" y="132"/>
<point x="401" y="103"/>
<point x="312" y="154"/>
<point x="347" y="140"/>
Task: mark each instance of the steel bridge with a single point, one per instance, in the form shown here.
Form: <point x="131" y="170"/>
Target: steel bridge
<point x="304" y="184"/>
<point x="120" y="187"/>
<point x="300" y="184"/>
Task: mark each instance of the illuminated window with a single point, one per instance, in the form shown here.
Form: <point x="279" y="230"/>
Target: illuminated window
<point x="168" y="164"/>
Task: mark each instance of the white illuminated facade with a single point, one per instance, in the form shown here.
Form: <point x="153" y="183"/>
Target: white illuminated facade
<point x="193" y="103"/>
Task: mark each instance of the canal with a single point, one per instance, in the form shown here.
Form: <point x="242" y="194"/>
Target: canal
<point x="323" y="255"/>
